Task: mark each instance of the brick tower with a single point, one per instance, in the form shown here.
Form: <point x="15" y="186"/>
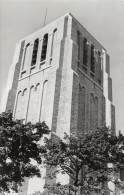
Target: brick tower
<point x="61" y="75"/>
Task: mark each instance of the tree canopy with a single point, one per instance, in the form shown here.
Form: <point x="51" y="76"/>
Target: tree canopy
<point x="19" y="145"/>
<point x="91" y="161"/>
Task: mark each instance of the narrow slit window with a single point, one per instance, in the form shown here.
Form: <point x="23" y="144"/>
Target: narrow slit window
<point x="44" y="48"/>
<point x="17" y="113"/>
<point x="85" y="52"/>
<point x="30" y="103"/>
<point x="78" y="43"/>
<point x="99" y="68"/>
<point x="35" y="50"/>
<point x="53" y="41"/>
<point x="26" y="57"/>
<point x="43" y="111"/>
<point x="92" y="58"/>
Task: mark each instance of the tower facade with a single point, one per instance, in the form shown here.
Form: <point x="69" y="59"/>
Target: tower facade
<point x="61" y="75"/>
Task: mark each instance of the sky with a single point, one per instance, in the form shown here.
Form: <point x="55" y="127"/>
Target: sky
<point x="104" y="19"/>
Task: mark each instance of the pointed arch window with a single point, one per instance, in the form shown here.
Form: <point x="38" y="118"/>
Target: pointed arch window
<point x="92" y="67"/>
<point x="78" y="44"/>
<point x="17" y="113"/>
<point x="85" y="52"/>
<point x="53" y="41"/>
<point x="44" y="48"/>
<point x="30" y="102"/>
<point x="35" y="51"/>
<point x="33" y="105"/>
<point x="24" y="91"/>
<point x="44" y="102"/>
<point x="26" y="57"/>
<point x="24" y="103"/>
<point x="37" y="86"/>
<point x="99" y="67"/>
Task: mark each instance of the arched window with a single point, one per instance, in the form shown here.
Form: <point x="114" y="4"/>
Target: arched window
<point x="35" y="50"/>
<point x="26" y="57"/>
<point x="44" y="47"/>
<point x="30" y="102"/>
<point x="37" y="86"/>
<point x="18" y="104"/>
<point x="92" y="67"/>
<point x="33" y="104"/>
<point x="24" y="91"/>
<point x="44" y="102"/>
<point x="81" y="109"/>
<point x="85" y="52"/>
<point x="99" y="67"/>
<point x="79" y="45"/>
<point x="53" y="41"/>
<point x="24" y="103"/>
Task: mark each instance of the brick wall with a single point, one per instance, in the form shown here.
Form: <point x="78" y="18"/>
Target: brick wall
<point x="81" y="115"/>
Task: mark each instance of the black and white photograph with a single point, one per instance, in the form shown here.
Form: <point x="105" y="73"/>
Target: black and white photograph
<point x="61" y="97"/>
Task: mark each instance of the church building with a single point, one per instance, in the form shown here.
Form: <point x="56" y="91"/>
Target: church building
<point x="61" y="75"/>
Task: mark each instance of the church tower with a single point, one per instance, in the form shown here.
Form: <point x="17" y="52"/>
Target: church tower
<point x="61" y="75"/>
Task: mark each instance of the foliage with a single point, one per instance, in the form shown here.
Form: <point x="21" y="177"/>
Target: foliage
<point x="90" y="161"/>
<point x="59" y="189"/>
<point x="19" y="145"/>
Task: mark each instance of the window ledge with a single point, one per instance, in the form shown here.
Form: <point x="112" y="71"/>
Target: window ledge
<point x="32" y="67"/>
<point x="42" y="63"/>
<point x="92" y="74"/>
<point x="51" y="60"/>
<point x="84" y="68"/>
<point x="23" y="72"/>
<point x="91" y="79"/>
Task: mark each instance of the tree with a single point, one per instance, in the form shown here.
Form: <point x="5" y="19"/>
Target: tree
<point x="91" y="161"/>
<point x="20" y="144"/>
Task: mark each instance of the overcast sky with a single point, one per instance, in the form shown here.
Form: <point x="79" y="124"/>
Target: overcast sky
<point x="103" y="18"/>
